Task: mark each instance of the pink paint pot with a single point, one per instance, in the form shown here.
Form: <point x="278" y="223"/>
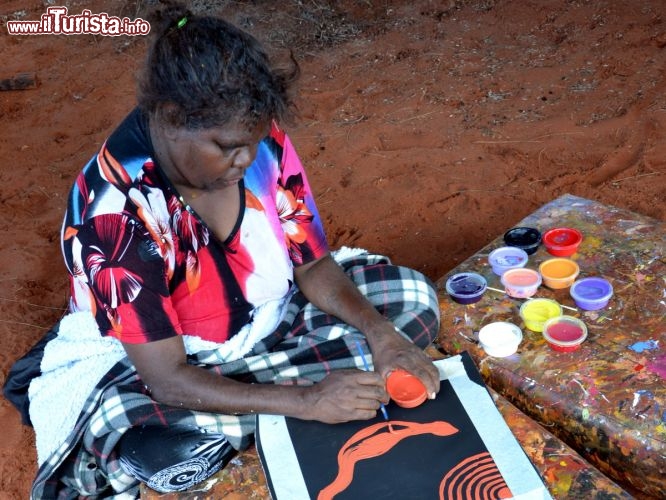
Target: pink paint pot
<point x="504" y="258"/>
<point x="564" y="333"/>
<point x="405" y="389"/>
<point x="591" y="293"/>
<point x="466" y="288"/>
<point x="521" y="282"/>
<point x="559" y="272"/>
<point x="562" y="241"/>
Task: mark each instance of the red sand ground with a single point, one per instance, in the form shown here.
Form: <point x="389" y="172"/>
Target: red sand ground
<point x="428" y="128"/>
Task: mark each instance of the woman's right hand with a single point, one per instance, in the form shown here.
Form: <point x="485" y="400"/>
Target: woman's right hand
<point x="342" y="396"/>
<point x="345" y="395"/>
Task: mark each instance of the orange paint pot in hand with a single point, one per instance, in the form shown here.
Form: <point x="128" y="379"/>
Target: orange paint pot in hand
<point x="405" y="389"/>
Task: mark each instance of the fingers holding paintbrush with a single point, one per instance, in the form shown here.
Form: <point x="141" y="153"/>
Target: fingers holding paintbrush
<point x="382" y="408"/>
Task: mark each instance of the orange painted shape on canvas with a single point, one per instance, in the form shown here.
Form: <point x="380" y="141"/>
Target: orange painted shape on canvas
<point x="371" y="442"/>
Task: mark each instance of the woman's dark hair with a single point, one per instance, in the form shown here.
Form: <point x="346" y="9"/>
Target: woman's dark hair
<point x="202" y="72"/>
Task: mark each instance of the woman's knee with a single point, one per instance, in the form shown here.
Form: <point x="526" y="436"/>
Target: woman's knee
<point x="173" y="458"/>
<point x="412" y="304"/>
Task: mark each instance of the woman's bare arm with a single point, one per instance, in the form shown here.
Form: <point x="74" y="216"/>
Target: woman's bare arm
<point x="326" y="285"/>
<point x="342" y="396"/>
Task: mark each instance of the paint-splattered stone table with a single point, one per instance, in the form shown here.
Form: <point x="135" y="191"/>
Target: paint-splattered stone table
<point x="607" y="399"/>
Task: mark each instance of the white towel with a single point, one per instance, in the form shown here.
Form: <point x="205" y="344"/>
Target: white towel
<point x="72" y="365"/>
<point x="344" y="253"/>
<point x="76" y="360"/>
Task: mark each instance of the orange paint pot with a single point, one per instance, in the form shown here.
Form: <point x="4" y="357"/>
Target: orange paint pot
<point x="559" y="272"/>
<point x="405" y="389"/>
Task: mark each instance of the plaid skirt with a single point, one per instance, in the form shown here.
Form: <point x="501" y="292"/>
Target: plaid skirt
<point x="307" y="345"/>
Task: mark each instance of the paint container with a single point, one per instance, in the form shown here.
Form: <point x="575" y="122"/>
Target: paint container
<point x="466" y="288"/>
<point x="500" y="339"/>
<point x="525" y="238"/>
<point x="535" y="312"/>
<point x="591" y="293"/>
<point x="521" y="283"/>
<point x="559" y="272"/>
<point x="562" y="241"/>
<point x="405" y="389"/>
<point x="564" y="333"/>
<point x="504" y="258"/>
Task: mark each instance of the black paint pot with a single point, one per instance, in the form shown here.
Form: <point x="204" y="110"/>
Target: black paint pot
<point x="525" y="238"/>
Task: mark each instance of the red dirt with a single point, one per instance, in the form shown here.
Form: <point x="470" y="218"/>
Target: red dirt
<point x="427" y="131"/>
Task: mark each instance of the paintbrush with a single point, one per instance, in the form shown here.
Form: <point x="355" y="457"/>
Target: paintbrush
<point x="503" y="291"/>
<point x="367" y="369"/>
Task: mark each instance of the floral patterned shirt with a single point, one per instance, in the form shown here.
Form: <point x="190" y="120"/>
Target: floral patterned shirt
<point x="148" y="268"/>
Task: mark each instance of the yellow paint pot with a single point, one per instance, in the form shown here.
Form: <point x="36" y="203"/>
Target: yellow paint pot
<point x="559" y="272"/>
<point x="535" y="312"/>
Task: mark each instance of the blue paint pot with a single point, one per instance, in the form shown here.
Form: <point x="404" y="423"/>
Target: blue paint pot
<point x="504" y="258"/>
<point x="591" y="293"/>
<point x="466" y="288"/>
<point x="525" y="238"/>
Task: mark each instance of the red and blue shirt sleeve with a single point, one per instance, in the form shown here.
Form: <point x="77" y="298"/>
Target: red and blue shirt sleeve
<point x="299" y="217"/>
<point x="120" y="276"/>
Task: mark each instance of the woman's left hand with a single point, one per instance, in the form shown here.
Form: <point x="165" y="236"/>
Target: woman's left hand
<point x="325" y="284"/>
<point x="391" y="351"/>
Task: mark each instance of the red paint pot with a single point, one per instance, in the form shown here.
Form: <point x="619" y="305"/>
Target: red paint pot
<point x="562" y="241"/>
<point x="405" y="389"/>
<point x="564" y="333"/>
